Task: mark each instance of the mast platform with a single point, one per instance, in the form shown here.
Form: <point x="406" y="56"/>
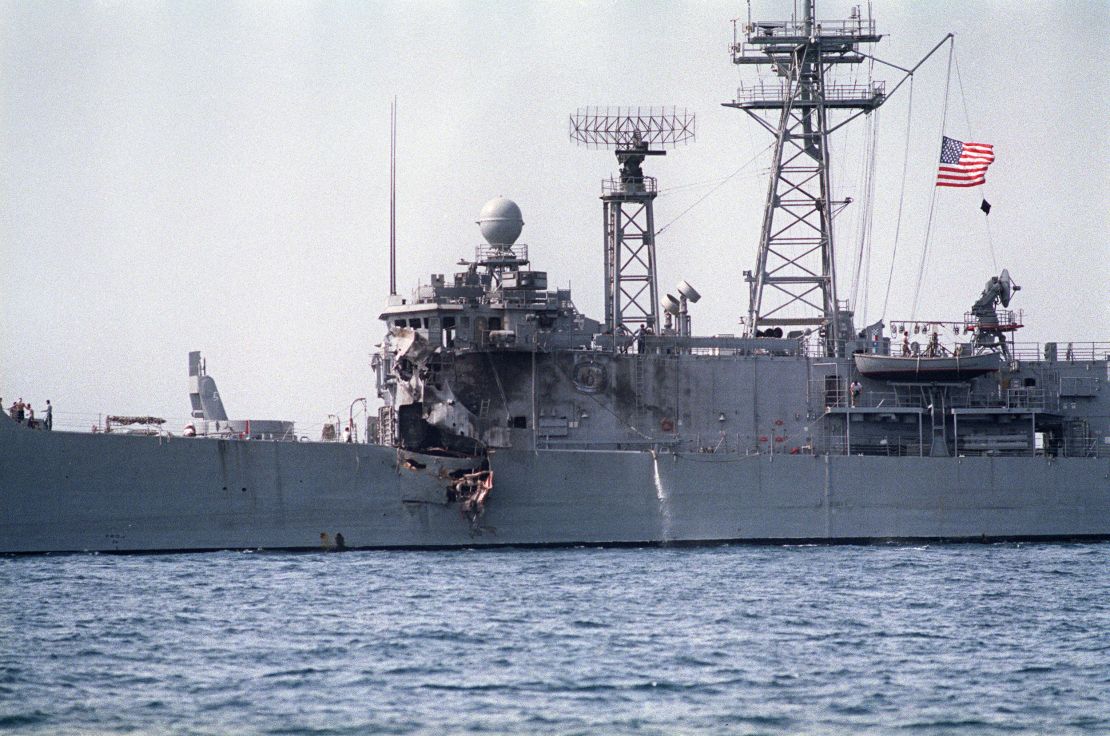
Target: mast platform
<point x="837" y="40"/>
<point x="841" y="96"/>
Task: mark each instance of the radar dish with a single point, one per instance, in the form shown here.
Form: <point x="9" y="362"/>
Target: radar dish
<point x="670" y="304"/>
<point x="1008" y="287"/>
<point x="688" y="291"/>
<point x="500" y="221"/>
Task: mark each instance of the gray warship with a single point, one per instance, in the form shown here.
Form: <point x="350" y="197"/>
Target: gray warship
<point x="510" y="418"/>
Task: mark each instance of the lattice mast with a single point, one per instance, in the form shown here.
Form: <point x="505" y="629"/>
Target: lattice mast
<point x="631" y="286"/>
<point x="794" y="282"/>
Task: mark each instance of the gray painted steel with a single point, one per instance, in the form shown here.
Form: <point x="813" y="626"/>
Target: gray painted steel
<point x="510" y="418"/>
<point x="102" y="492"/>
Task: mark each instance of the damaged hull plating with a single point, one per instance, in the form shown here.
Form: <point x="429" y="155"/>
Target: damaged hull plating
<point x="143" y="494"/>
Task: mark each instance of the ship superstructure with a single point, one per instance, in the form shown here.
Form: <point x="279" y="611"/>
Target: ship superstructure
<point x="493" y="360"/>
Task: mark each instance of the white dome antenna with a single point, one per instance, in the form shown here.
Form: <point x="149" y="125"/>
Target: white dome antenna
<point x="501" y="222"/>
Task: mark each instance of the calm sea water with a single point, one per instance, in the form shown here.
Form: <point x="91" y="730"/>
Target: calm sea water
<point x="973" y="639"/>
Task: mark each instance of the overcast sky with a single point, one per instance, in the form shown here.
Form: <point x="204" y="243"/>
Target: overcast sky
<point x="214" y="176"/>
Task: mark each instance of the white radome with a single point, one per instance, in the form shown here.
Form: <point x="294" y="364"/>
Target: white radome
<point x="500" y="221"/>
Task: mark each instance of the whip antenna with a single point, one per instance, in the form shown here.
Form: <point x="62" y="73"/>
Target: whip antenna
<point x="393" y="198"/>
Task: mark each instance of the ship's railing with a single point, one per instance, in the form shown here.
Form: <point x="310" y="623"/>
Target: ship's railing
<point x="1079" y="350"/>
<point x="1006" y="320"/>
<point x="1060" y="351"/>
<point x="485" y="253"/>
<point x="92" y="422"/>
<point x="173" y="429"/>
<point x="764" y="30"/>
<point x="833" y="92"/>
<point x="711" y="345"/>
<point x="637" y="185"/>
<point x="1083" y="447"/>
<point x="1025" y="398"/>
<point x="956" y="397"/>
<point x="839" y="445"/>
<point x="544" y="442"/>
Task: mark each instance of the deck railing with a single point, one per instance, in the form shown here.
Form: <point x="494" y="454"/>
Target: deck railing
<point x="764" y="30"/>
<point x="1063" y="351"/>
<point x="634" y="185"/>
<point x="832" y="92"/>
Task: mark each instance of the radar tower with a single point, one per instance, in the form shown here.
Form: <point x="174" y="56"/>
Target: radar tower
<point x="631" y="288"/>
<point x="794" y="282"/>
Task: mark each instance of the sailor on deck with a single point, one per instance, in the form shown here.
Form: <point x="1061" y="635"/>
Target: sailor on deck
<point x="933" y="350"/>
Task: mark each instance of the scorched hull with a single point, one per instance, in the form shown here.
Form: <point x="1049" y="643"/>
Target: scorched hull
<point x="75" y="492"/>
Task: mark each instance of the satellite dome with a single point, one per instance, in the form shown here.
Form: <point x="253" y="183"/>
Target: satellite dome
<point x="500" y="221"/>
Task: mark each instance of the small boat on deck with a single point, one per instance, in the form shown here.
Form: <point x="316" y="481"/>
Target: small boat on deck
<point x="926" y="368"/>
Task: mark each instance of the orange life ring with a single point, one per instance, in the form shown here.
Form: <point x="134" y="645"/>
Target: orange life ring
<point x="666" y="425"/>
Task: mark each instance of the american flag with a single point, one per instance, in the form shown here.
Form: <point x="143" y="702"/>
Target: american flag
<point x="963" y="164"/>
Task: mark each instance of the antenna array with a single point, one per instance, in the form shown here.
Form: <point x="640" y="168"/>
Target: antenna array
<point x="618" y="127"/>
<point x="631" y="287"/>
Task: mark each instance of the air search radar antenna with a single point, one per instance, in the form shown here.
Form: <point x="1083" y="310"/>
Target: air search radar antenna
<point x="631" y="291"/>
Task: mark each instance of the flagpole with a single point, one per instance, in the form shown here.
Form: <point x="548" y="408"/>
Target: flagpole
<point x="393" y="197"/>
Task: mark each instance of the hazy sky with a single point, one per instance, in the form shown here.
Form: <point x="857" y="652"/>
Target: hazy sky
<point x="214" y="176"/>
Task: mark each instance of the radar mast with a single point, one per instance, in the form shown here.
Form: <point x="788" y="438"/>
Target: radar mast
<point x="794" y="282"/>
<point x="631" y="287"/>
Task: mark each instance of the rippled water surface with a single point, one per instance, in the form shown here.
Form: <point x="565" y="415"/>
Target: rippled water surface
<point x="943" y="639"/>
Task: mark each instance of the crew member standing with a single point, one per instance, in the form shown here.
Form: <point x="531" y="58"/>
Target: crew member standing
<point x="856" y="389"/>
<point x="49" y="421"/>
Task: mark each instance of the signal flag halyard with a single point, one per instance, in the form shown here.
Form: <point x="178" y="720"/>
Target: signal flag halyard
<point x="963" y="164"/>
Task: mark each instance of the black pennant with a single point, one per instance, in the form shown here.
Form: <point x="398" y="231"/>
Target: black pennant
<point x="986" y="207"/>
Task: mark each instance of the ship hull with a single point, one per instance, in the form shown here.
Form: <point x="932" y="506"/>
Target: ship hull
<point x="82" y="492"/>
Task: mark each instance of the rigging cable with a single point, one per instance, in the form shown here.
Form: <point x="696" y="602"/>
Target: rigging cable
<point x="857" y="260"/>
<point x="868" y="215"/>
<point x="724" y="181"/>
<point x="863" y="225"/>
<point x="967" y="119"/>
<point x="901" y="198"/>
<point x="666" y="191"/>
<point x="933" y="199"/>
